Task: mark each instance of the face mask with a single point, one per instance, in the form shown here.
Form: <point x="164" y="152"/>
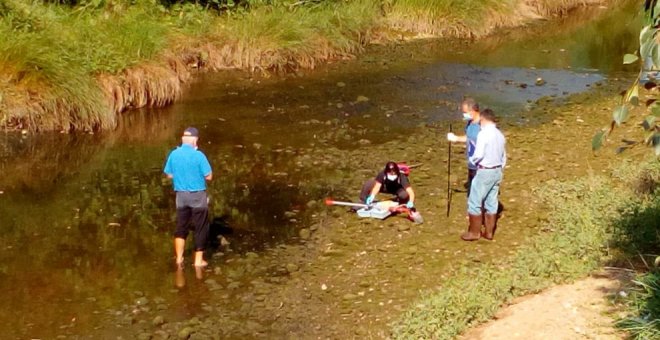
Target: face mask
<point x="466" y="116"/>
<point x="392" y="177"/>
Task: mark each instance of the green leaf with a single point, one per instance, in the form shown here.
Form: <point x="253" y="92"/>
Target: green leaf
<point x="646" y="41"/>
<point x="620" y="114"/>
<point x="649" y="123"/>
<point x="655" y="110"/>
<point x="656" y="143"/>
<point x="629" y="59"/>
<point x="632" y="95"/>
<point x="598" y="140"/>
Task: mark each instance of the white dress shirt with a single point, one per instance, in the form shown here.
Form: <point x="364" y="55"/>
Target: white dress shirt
<point x="490" y="151"/>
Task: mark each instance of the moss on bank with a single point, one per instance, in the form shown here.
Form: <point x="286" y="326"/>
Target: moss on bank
<point x="77" y="68"/>
<point x="587" y="218"/>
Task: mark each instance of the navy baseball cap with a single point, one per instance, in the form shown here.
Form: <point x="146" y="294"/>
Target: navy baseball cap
<point x="191" y="131"/>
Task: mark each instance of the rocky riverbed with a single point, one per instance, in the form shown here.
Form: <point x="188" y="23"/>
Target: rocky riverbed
<point x="345" y="277"/>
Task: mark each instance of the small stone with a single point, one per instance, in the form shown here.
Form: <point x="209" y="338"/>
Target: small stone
<point x="144" y="336"/>
<point x="158" y="321"/>
<point x="404" y="227"/>
<point x="305" y="233"/>
<point x="142" y="301"/>
<point x="311" y="204"/>
<point x="185" y="333"/>
<point x="349" y="297"/>
<point x="539" y="81"/>
<point x="341" y="84"/>
<point x="324" y="287"/>
<point x="251" y="255"/>
<point x="362" y="99"/>
<point x="292" y="267"/>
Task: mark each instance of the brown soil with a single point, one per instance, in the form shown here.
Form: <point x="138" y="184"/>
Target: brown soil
<point x="580" y="310"/>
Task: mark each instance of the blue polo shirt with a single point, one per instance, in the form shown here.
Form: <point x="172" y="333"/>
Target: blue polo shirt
<point x="471" y="132"/>
<point x="188" y="167"/>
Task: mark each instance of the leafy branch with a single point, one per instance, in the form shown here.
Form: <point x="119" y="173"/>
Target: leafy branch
<point x="648" y="57"/>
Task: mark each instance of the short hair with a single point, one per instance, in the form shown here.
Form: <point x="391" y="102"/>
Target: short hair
<point x="470" y="103"/>
<point x="488" y="115"/>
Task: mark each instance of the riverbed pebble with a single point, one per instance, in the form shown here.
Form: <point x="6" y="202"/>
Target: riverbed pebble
<point x="184" y="333"/>
<point x="158" y="321"/>
<point x="292" y="267"/>
<point x="305" y="233"/>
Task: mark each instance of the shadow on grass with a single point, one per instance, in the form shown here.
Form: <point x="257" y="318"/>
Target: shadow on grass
<point x="636" y="238"/>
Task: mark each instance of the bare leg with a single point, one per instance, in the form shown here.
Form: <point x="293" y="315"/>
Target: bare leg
<point x="179" y="277"/>
<point x="199" y="259"/>
<point x="179" y="245"/>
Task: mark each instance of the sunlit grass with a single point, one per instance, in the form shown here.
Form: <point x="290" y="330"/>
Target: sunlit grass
<point x="76" y="67"/>
<point x="585" y="215"/>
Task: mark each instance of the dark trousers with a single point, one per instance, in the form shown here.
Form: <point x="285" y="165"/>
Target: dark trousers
<point x="400" y="192"/>
<point x="468" y="184"/>
<point x="192" y="211"/>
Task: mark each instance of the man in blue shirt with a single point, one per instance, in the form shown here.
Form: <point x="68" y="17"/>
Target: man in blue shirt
<point x="471" y="114"/>
<point x="189" y="170"/>
<point x="490" y="158"/>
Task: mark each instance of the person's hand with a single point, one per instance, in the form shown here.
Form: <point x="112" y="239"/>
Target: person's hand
<point x="369" y="200"/>
<point x="410" y="205"/>
<point x="452" y="137"/>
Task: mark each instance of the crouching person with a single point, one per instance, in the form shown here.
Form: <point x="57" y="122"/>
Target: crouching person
<point x="391" y="181"/>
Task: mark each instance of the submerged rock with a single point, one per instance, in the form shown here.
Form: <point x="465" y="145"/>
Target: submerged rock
<point x="292" y="267"/>
<point x="158" y="321"/>
<point x="305" y="233"/>
<point x="185" y="333"/>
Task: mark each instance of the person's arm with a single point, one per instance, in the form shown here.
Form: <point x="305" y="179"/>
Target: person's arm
<point x="504" y="158"/>
<point x="376" y="189"/>
<point x="454" y="138"/>
<point x="479" y="150"/>
<point x="411" y="194"/>
<point x="168" y="169"/>
<point x="206" y="168"/>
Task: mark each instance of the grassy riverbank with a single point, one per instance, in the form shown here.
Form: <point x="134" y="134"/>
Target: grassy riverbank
<point x="77" y="67"/>
<point x="595" y="220"/>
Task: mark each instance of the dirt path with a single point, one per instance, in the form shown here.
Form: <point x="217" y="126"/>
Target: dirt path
<point x="573" y="311"/>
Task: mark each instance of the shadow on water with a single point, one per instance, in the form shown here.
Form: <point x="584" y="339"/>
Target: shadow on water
<point x="85" y="220"/>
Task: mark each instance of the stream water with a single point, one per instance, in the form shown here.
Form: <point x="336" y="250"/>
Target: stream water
<point x="86" y="220"/>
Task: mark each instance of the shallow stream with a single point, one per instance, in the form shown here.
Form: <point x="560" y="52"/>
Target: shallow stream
<point x="86" y="220"/>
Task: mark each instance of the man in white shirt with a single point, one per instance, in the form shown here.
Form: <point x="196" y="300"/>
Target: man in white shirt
<point x="490" y="158"/>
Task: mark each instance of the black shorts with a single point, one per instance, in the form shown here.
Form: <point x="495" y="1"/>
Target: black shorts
<point x="192" y="212"/>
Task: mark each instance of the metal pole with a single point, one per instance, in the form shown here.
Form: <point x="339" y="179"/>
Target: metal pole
<point x="449" y="175"/>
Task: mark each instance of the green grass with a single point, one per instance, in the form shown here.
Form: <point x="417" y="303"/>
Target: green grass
<point x="585" y="216"/>
<point x="644" y="307"/>
<point x="52" y="56"/>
